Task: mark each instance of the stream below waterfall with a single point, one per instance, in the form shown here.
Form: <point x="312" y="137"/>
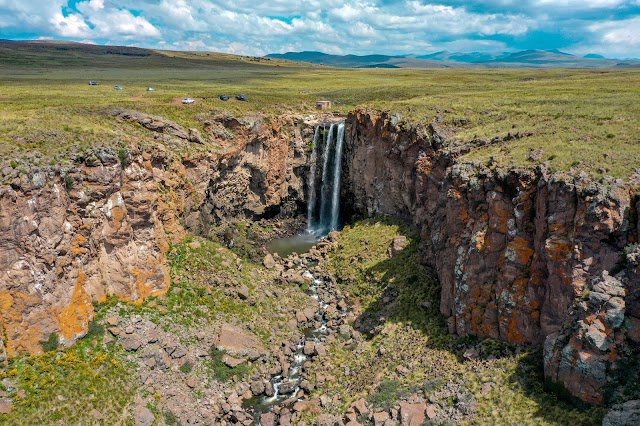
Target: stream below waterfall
<point x="323" y="216"/>
<point x="287" y="387"/>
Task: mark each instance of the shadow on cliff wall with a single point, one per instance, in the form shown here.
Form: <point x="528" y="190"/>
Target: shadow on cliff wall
<point x="408" y="294"/>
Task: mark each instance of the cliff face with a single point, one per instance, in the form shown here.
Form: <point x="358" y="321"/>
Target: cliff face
<point x="514" y="252"/>
<point x="104" y="230"/>
<point x="521" y="255"/>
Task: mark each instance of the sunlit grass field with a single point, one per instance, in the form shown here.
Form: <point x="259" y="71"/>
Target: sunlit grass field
<point x="582" y="119"/>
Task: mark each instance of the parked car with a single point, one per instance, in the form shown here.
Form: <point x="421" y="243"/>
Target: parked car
<point x="241" y="98"/>
<point x="94" y="83"/>
<point x="188" y="101"/>
<point x="118" y="87"/>
<point x="224" y="98"/>
<point x="150" y="89"/>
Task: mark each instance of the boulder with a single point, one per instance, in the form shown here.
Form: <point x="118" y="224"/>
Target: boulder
<point x="143" y="416"/>
<point x="243" y="292"/>
<point x="131" y="343"/>
<point x="257" y="387"/>
<point x="360" y="406"/>
<point x="268" y="419"/>
<point x="627" y="414"/>
<point x="309" y="348"/>
<point x="268" y="261"/>
<point x="238" y="343"/>
<point x="380" y="418"/>
<point x="5" y="406"/>
<point x="230" y="361"/>
<point x="412" y="414"/>
<point x="397" y="245"/>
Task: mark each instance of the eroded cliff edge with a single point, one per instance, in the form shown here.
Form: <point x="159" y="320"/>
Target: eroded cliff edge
<point x="103" y="229"/>
<point x="522" y="255"/>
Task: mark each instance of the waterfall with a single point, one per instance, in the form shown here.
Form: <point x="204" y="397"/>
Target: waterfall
<point x="323" y="208"/>
<point x="337" y="170"/>
<point x="325" y="184"/>
<point x="311" y="204"/>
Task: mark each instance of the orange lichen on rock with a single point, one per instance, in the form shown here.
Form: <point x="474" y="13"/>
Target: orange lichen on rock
<point x="147" y="287"/>
<point x="524" y="252"/>
<point x="117" y="216"/>
<point x="78" y="242"/>
<point x="558" y="249"/>
<point x="74" y="318"/>
<point x="22" y="333"/>
<point x="513" y="332"/>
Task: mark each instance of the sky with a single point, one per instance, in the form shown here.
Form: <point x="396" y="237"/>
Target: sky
<point x="396" y="27"/>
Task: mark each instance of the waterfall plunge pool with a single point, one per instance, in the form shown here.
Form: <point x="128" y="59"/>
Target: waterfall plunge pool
<point x="299" y="244"/>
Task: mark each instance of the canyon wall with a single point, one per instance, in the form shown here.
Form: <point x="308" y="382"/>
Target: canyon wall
<point x="103" y="229"/>
<point x="521" y="255"/>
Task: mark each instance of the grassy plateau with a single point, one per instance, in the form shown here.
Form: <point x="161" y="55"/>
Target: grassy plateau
<point x="582" y="119"/>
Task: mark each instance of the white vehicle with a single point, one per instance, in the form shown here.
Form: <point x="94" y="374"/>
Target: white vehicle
<point x="150" y="89"/>
<point x="188" y="101"/>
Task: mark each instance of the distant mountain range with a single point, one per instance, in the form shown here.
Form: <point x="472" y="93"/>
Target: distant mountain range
<point x="524" y="59"/>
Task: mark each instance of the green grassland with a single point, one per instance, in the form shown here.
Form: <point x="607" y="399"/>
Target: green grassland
<point x="583" y="119"/>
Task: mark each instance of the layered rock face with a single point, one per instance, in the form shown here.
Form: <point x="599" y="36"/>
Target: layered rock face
<point x="514" y="251"/>
<point x="104" y="229"/>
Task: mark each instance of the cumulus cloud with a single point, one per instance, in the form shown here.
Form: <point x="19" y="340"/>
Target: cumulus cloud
<point x="333" y="26"/>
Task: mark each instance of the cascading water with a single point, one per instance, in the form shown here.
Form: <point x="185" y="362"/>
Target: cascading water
<point x="323" y="209"/>
<point x="312" y="172"/>
<point x="323" y="206"/>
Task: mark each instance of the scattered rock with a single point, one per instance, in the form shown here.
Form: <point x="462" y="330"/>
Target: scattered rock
<point x="96" y="414"/>
<point x="535" y="154"/>
<point x="269" y="261"/>
<point x="5" y="406"/>
<point x="143" y="416"/>
<point x="243" y="292"/>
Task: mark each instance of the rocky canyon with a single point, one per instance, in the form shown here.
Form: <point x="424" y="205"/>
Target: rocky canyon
<point x="522" y="255"/>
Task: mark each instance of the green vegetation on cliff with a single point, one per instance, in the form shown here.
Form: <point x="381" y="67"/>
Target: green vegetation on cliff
<point x="581" y="119"/>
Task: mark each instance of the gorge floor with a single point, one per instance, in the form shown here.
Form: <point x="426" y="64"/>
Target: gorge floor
<point x="389" y="359"/>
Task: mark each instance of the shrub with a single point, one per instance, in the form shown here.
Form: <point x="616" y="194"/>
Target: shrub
<point x="186" y="367"/>
<point x="51" y="344"/>
<point x="13" y="164"/>
<point x="222" y="372"/>
<point x="95" y="330"/>
<point x="68" y="182"/>
<point x="123" y="157"/>
<point x="387" y="394"/>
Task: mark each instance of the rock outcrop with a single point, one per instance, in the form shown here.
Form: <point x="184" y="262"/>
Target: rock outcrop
<point x="103" y="229"/>
<point x="513" y="250"/>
